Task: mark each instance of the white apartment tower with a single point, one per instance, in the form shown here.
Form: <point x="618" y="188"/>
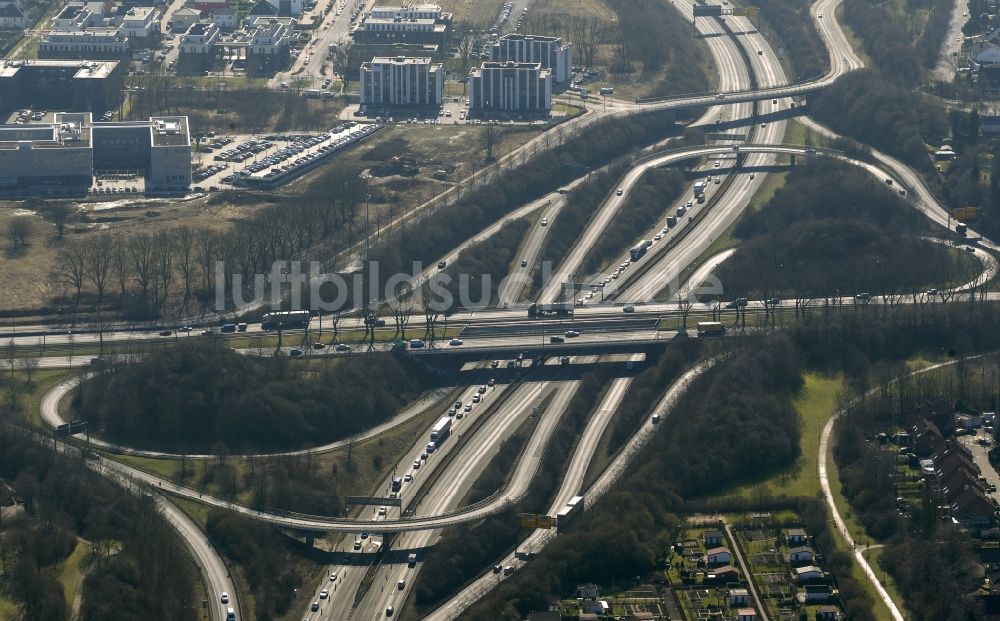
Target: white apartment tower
<point x="549" y="52"/>
<point x="402" y="81"/>
<point x="510" y="87"/>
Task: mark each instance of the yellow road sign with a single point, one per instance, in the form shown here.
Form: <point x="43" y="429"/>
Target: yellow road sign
<point x="964" y="213"/>
<point x="530" y="520"/>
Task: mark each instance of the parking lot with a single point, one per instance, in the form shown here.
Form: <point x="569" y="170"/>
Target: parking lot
<point x="272" y="159"/>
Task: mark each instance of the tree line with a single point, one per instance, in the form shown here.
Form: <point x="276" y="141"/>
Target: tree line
<point x="136" y="568"/>
<point x="189" y="396"/>
<point x="174" y="272"/>
<point x="793" y="25"/>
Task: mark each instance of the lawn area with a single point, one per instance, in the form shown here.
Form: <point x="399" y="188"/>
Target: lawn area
<point x="797" y="133"/>
<point x="773" y="182"/>
<point x="71" y="571"/>
<point x="815" y="406"/>
<point x="8" y="609"/>
<point x="44" y="380"/>
<point x="166" y="468"/>
<point x="194" y="510"/>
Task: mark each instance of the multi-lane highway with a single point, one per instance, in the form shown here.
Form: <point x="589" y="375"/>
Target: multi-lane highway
<point x="438" y="505"/>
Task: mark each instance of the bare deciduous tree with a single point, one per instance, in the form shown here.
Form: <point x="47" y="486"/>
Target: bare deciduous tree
<point x="18" y="231"/>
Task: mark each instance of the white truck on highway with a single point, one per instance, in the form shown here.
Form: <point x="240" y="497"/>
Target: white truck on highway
<point x="699" y="188"/>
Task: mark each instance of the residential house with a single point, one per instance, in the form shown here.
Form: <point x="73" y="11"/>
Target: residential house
<point x="738" y="597"/>
<point x="985" y="53"/>
<point x="817" y="593"/>
<point x="958" y="481"/>
<point x="973" y="509"/>
<point x="11" y="17"/>
<point x="809" y="573"/>
<point x="183" y="18"/>
<point x="827" y="613"/>
<point x="263" y="8"/>
<point x="939" y="412"/>
<point x="925" y="437"/>
<point x="718" y="556"/>
<point x="796" y="537"/>
<point x="714" y="538"/>
<point x="801" y="555"/>
<point x="726" y="574"/>
<point x="226" y="19"/>
<point x="746" y="614"/>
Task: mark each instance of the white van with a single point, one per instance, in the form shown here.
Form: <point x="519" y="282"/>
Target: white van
<point x="230" y="614"/>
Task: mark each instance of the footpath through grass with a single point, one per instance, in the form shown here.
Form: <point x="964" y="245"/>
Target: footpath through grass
<point x="71" y="572"/>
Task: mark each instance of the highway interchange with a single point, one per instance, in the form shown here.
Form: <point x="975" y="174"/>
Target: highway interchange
<point x="517" y="399"/>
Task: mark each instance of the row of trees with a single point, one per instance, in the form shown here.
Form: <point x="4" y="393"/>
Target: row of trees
<point x="793" y="25"/>
<point x="136" y="567"/>
<point x="176" y="272"/>
<point x="647" y="202"/>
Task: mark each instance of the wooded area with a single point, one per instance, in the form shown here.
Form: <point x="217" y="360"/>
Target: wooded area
<point x="136" y="568"/>
<point x="834" y="230"/>
<point x="867" y="107"/>
<point x="199" y="397"/>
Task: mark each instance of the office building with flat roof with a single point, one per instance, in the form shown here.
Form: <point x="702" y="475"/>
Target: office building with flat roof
<point x="68" y="151"/>
<point x="425" y="23"/>
<point x="509" y="87"/>
<point x="402" y="81"/>
<point x="84" y="85"/>
<point x="549" y="52"/>
<point x="103" y="43"/>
